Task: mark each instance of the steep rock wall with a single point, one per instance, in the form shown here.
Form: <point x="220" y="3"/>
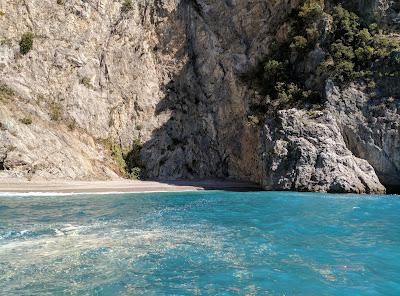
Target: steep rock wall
<point x="370" y="125"/>
<point x="171" y="75"/>
<point x="95" y="72"/>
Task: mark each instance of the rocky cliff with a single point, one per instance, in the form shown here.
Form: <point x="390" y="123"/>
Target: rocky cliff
<point x="172" y="75"/>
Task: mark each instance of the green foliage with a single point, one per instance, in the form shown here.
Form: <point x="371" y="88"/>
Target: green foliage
<point x="60" y="2"/>
<point x="135" y="174"/>
<point x="288" y="91"/>
<point x="71" y="124"/>
<point x="127" y="159"/>
<point x="275" y="69"/>
<point x="299" y="43"/>
<point x="139" y="127"/>
<point x="364" y="37"/>
<point x="5" y="41"/>
<point x="86" y="82"/>
<point x="340" y="52"/>
<point x="312" y="33"/>
<point x="26" y="43"/>
<point x="253" y="120"/>
<point x="5" y="92"/>
<point x="55" y="111"/>
<point x="364" y="53"/>
<point x="344" y="71"/>
<point x="311" y="10"/>
<point x="338" y="40"/>
<point x="384" y="45"/>
<point x="127" y="6"/>
<point x="26" y="120"/>
<point x="345" y="24"/>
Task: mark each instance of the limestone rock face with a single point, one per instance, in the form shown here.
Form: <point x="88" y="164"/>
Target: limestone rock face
<point x="95" y="73"/>
<point x="305" y="151"/>
<point x="370" y="125"/>
<point x="171" y="74"/>
<point x="165" y="72"/>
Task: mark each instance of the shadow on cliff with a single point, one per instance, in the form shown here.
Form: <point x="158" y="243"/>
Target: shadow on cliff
<point x="190" y="144"/>
<point x="186" y="146"/>
<point x="215" y="184"/>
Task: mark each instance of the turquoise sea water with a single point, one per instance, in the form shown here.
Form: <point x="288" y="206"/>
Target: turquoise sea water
<point x="200" y="243"/>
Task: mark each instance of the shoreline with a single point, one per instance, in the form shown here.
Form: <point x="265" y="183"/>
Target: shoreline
<point x="121" y="186"/>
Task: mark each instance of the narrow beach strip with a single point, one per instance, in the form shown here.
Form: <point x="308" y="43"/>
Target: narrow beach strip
<point x="115" y="186"/>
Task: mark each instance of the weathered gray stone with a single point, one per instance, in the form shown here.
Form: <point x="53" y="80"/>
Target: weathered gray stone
<point x="170" y="73"/>
<point x="370" y="124"/>
<point x="305" y="151"/>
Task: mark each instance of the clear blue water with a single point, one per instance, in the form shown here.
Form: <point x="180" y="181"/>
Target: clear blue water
<point x="200" y="243"/>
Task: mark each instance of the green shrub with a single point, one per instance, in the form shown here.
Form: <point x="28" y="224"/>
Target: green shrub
<point x="127" y="159"/>
<point x="298" y="43"/>
<point x="118" y="155"/>
<point x="275" y="70"/>
<point x="26" y="43"/>
<point x="135" y="174"/>
<point x="311" y="10"/>
<point x="384" y="45"/>
<point x="287" y="92"/>
<point x="126" y="6"/>
<point x="86" y="82"/>
<point x="71" y="124"/>
<point x="26" y="120"/>
<point x="363" y="54"/>
<point x="6" y="41"/>
<point x="60" y="2"/>
<point x="364" y="37"/>
<point x="339" y="40"/>
<point x="345" y="24"/>
<point x="55" y="111"/>
<point x="313" y="33"/>
<point x="253" y="120"/>
<point x="5" y="92"/>
<point x="344" y="71"/>
<point x="341" y="52"/>
<point x="132" y="159"/>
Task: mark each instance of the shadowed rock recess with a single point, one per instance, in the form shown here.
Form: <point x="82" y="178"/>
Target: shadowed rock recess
<point x="83" y="83"/>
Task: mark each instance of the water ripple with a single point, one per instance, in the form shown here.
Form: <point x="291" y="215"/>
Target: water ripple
<point x="205" y="243"/>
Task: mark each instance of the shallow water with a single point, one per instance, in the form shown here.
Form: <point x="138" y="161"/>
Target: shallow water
<point x="200" y="243"/>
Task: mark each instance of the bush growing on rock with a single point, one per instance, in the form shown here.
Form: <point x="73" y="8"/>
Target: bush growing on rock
<point x="299" y="43"/>
<point x="127" y="159"/>
<point x="26" y="120"/>
<point x="26" y="43"/>
<point x="55" y="111"/>
<point x="135" y="173"/>
<point x="253" y="120"/>
<point x="311" y="10"/>
<point x="126" y="6"/>
<point x="86" y="82"/>
<point x="6" y="41"/>
<point x="5" y="92"/>
<point x="323" y="43"/>
<point x="71" y="124"/>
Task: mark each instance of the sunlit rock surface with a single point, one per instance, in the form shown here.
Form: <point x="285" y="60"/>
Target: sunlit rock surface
<point x="170" y="74"/>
